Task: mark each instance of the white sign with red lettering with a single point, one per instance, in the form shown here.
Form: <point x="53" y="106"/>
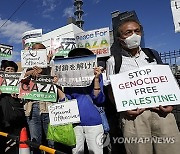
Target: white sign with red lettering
<point x="148" y="86"/>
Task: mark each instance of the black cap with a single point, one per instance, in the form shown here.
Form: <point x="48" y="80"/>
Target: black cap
<point x="80" y="52"/>
<point x="6" y="63"/>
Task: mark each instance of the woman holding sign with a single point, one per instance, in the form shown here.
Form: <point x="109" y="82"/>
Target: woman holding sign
<point x="90" y="128"/>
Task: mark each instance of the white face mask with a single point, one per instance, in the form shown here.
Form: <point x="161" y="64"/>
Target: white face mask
<point x="133" y="41"/>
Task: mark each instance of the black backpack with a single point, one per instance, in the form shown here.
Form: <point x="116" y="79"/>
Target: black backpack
<point x="151" y="54"/>
<point x="11" y="110"/>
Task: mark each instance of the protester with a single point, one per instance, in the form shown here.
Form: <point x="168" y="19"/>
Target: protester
<point x="141" y="123"/>
<point x="90" y="127"/>
<point x="37" y="111"/>
<point x="12" y="118"/>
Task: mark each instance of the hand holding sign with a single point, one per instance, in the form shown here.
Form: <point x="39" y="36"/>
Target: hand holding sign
<point x="136" y="112"/>
<point x="145" y="87"/>
<point x="97" y="72"/>
<point x="163" y="109"/>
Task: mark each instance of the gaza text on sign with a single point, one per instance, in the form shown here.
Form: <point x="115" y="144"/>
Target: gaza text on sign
<point x="98" y="41"/>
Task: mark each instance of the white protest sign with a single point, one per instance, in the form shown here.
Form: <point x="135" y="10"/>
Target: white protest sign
<point x="98" y="41"/>
<point x="64" y="112"/>
<point x="31" y="37"/>
<point x="62" y="46"/>
<point x="148" y="86"/>
<point x="75" y="72"/>
<point x="31" y="58"/>
<point x="175" y="7"/>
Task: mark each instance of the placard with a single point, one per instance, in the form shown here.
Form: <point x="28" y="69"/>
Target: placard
<point x="148" y="86"/>
<point x="75" y="72"/>
<point x="9" y="82"/>
<point x="64" y="112"/>
<point x="31" y="58"/>
<point x="175" y="7"/>
<point x="98" y="41"/>
<point x="42" y="89"/>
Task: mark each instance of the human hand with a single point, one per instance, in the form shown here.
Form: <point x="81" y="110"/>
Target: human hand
<point x="49" y="57"/>
<point x="135" y="112"/>
<point x="164" y="109"/>
<point x="55" y="79"/>
<point x="36" y="71"/>
<point x="0" y="92"/>
<point x="97" y="72"/>
<point x="14" y="95"/>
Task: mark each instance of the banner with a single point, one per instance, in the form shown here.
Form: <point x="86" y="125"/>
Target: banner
<point x="64" y="112"/>
<point x="41" y="89"/>
<point x="75" y="72"/>
<point x="175" y="7"/>
<point x="31" y="58"/>
<point x="148" y="86"/>
<point x="9" y="82"/>
<point x="62" y="46"/>
<point x="5" y="50"/>
<point x="31" y="37"/>
<point x="98" y="41"/>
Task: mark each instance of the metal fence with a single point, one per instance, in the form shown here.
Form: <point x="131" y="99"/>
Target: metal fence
<point x="173" y="59"/>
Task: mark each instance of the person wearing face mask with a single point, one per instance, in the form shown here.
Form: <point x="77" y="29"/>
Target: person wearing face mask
<point x="141" y="123"/>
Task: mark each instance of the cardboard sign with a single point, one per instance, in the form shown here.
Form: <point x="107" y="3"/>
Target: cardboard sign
<point x="148" y="86"/>
<point x="9" y="82"/>
<point x="64" y="112"/>
<point x="98" y="41"/>
<point x="75" y="72"/>
<point x="5" y="50"/>
<point x="41" y="89"/>
<point x="175" y="7"/>
<point x="31" y="58"/>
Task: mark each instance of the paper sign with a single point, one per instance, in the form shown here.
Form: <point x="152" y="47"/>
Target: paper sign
<point x="64" y="112"/>
<point x="31" y="37"/>
<point x="62" y="46"/>
<point x="31" y="58"/>
<point x="98" y="41"/>
<point x="75" y="72"/>
<point x="175" y="7"/>
<point x="9" y="82"/>
<point x="41" y="89"/>
<point x="5" y="50"/>
<point x="148" y="86"/>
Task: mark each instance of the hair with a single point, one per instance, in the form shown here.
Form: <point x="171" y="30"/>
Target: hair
<point x="124" y="21"/>
<point x="80" y="52"/>
<point x="39" y="45"/>
<point x="6" y="63"/>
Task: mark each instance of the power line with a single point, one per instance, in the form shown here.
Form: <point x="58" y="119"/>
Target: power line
<point x="13" y="13"/>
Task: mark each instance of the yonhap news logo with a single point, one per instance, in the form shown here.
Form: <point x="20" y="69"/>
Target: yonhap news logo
<point x="103" y="139"/>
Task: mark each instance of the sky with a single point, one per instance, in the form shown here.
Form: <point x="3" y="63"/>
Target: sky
<point x="154" y="15"/>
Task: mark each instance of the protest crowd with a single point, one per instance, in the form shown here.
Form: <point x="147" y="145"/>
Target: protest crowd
<point x="73" y="104"/>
